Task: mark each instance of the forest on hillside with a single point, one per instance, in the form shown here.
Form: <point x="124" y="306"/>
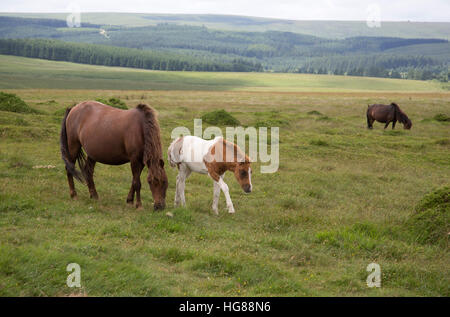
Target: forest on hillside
<point x="182" y="47"/>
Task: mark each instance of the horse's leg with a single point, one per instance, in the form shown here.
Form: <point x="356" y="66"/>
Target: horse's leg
<point x="369" y="122"/>
<point x="73" y="192"/>
<point x="225" y="190"/>
<point x="74" y="149"/>
<point x="386" y="125"/>
<point x="183" y="174"/>
<point x="89" y="173"/>
<point x="393" y="124"/>
<point x="136" y="169"/>
<point x="216" y="196"/>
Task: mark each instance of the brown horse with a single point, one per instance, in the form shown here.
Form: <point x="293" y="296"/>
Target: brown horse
<point x="113" y="136"/>
<point x="387" y="114"/>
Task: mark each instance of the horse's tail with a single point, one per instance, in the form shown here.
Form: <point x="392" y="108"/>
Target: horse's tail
<point x="174" y="152"/>
<point x="369" y="118"/>
<point x="152" y="141"/>
<point x="64" y="146"/>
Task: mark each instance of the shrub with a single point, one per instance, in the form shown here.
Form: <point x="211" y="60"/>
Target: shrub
<point x="431" y="221"/>
<point x="318" y="143"/>
<point x="113" y="102"/>
<point x="441" y="117"/>
<point x="12" y="103"/>
<point x="220" y="117"/>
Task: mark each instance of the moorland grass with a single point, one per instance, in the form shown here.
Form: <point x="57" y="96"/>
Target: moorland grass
<point x="343" y="197"/>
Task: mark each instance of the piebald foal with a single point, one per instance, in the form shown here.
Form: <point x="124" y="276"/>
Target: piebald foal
<point x="214" y="157"/>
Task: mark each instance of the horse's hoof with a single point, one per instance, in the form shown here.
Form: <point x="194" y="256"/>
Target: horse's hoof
<point x="216" y="211"/>
<point x="139" y="207"/>
<point x="74" y="196"/>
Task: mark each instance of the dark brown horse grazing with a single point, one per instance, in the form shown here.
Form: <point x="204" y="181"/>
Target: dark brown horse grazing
<point x="387" y="114"/>
<point x="113" y="136"/>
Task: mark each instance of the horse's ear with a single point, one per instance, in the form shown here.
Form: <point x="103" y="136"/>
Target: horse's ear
<point x="161" y="163"/>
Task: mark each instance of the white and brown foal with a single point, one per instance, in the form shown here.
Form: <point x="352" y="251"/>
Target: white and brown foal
<point x="214" y="157"/>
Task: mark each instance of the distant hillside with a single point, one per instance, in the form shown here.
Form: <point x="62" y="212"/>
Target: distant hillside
<point x="326" y="29"/>
<point x="203" y="49"/>
<point x="21" y="72"/>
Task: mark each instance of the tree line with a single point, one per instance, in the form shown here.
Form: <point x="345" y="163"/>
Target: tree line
<point x="118" y="56"/>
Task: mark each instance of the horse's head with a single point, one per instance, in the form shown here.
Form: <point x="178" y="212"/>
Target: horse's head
<point x="407" y="125"/>
<point x="158" y="182"/>
<point x="243" y="174"/>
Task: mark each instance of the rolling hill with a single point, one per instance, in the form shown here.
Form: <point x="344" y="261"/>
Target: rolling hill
<point x="326" y="29"/>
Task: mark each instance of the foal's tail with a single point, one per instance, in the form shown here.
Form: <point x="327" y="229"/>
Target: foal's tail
<point x="174" y="152"/>
<point x="70" y="167"/>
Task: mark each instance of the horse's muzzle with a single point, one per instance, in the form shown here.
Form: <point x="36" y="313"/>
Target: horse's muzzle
<point x="247" y="188"/>
<point x="159" y="206"/>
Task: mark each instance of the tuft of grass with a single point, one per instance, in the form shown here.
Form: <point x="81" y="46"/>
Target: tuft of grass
<point x="323" y="118"/>
<point x="442" y="142"/>
<point x="13" y="103"/>
<point x="220" y="117"/>
<point x="218" y="266"/>
<point x="431" y="222"/>
<point x="113" y="102"/>
<point x="315" y="113"/>
<point x="441" y="117"/>
<point x="319" y="142"/>
<point x="173" y="255"/>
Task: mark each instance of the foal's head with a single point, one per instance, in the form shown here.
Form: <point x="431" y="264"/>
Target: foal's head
<point x="243" y="174"/>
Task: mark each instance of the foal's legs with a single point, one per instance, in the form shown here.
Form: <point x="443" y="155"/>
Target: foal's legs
<point x="136" y="169"/>
<point x="225" y="190"/>
<point x="89" y="174"/>
<point x="216" y="196"/>
<point x="183" y="173"/>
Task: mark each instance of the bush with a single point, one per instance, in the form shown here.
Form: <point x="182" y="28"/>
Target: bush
<point x="441" y="117"/>
<point x="431" y="222"/>
<point x="113" y="102"/>
<point x="12" y="103"/>
<point x="220" y="117"/>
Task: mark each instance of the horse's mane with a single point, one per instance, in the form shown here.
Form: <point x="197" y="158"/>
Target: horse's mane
<point x="399" y="114"/>
<point x="240" y="155"/>
<point x="152" y="141"/>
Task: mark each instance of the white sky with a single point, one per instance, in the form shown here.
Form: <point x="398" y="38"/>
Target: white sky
<point x="389" y="10"/>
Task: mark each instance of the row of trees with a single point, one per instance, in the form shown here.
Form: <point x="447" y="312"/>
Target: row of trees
<point x="379" y="65"/>
<point x="118" y="56"/>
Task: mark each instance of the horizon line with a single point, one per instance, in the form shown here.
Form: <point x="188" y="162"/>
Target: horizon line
<point x="218" y="14"/>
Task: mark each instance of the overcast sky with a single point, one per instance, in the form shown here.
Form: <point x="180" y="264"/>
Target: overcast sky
<point x="388" y="10"/>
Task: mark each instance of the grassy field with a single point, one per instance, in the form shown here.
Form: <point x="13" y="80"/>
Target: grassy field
<point x="341" y="199"/>
<point x="21" y="72"/>
<point x="326" y="29"/>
